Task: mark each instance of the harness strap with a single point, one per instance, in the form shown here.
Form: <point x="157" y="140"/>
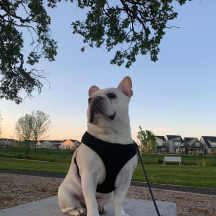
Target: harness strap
<point x="113" y="157"/>
<point x="75" y="162"/>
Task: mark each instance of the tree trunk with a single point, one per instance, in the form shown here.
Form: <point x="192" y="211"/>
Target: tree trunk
<point x="27" y="150"/>
<point x="35" y="147"/>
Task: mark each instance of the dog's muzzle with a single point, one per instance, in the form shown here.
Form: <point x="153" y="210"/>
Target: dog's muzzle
<point x="98" y="106"/>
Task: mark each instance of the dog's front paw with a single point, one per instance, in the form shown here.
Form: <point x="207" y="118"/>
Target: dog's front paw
<point x="102" y="210"/>
<point x="78" y="212"/>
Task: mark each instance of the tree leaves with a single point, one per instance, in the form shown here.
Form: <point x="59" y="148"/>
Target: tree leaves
<point x="14" y="76"/>
<point x="148" y="140"/>
<point x="139" y="25"/>
<point x="33" y="126"/>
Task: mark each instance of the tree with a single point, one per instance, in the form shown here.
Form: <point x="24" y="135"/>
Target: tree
<point x="41" y="125"/>
<point x="138" y="24"/>
<point x="31" y="128"/>
<point x="15" y="77"/>
<point x="148" y="141"/>
<point x="0" y="125"/>
<point x="23" y="130"/>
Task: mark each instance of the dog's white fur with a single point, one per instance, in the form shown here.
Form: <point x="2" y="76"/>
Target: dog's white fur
<point x="79" y="197"/>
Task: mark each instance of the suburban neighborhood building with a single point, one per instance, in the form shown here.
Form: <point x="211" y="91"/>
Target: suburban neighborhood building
<point x="194" y="146"/>
<point x="45" y="144"/>
<point x="161" y="144"/>
<point x="4" y="141"/>
<point x="175" y="144"/>
<point x="68" y="144"/>
<point x="209" y="143"/>
<point x="8" y="142"/>
<point x="56" y="143"/>
<point x="77" y="143"/>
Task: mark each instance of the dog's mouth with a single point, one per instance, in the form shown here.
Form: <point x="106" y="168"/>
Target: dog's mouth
<point x="95" y="110"/>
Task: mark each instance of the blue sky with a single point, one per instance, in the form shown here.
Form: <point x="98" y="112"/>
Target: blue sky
<point x="174" y="96"/>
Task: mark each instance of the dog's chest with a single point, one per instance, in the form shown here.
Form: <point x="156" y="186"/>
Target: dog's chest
<point x="113" y="157"/>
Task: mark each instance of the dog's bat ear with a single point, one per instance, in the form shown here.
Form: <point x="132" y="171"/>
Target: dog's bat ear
<point x="93" y="89"/>
<point x="125" y="86"/>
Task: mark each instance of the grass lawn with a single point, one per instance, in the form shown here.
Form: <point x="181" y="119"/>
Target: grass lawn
<point x="26" y="165"/>
<point x="42" y="154"/>
<point x="169" y="174"/>
<point x="65" y="156"/>
<point x="178" y="175"/>
<point x="189" y="160"/>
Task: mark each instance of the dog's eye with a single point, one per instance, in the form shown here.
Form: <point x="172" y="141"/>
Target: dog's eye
<point x="111" y="95"/>
<point x="89" y="100"/>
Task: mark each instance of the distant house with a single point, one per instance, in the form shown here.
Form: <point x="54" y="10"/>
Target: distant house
<point x="67" y="144"/>
<point x="56" y="143"/>
<point x="63" y="147"/>
<point x="4" y="141"/>
<point x="13" y="142"/>
<point x="45" y="144"/>
<point x="209" y="143"/>
<point x="8" y="142"/>
<point x="77" y="143"/>
<point x="175" y="144"/>
<point x="194" y="146"/>
<point x="161" y="144"/>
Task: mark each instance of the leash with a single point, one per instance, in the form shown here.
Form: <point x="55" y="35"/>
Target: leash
<point x="139" y="155"/>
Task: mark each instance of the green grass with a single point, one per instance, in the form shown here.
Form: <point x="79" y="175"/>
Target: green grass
<point x="188" y="160"/>
<point x="26" y="165"/>
<point x="178" y="175"/>
<point x="65" y="156"/>
<point x="42" y="154"/>
<point x="175" y="175"/>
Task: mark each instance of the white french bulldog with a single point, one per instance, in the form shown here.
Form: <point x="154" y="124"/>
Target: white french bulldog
<point x="108" y="122"/>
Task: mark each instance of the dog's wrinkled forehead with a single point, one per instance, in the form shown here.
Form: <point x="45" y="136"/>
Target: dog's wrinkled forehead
<point x="124" y="86"/>
<point x="106" y="92"/>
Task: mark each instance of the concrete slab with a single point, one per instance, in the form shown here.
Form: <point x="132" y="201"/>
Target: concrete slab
<point x="50" y="207"/>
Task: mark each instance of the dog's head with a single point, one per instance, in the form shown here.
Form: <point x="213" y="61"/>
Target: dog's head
<point x="110" y="105"/>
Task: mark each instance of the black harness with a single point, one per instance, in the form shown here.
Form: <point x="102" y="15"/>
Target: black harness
<point x="113" y="155"/>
